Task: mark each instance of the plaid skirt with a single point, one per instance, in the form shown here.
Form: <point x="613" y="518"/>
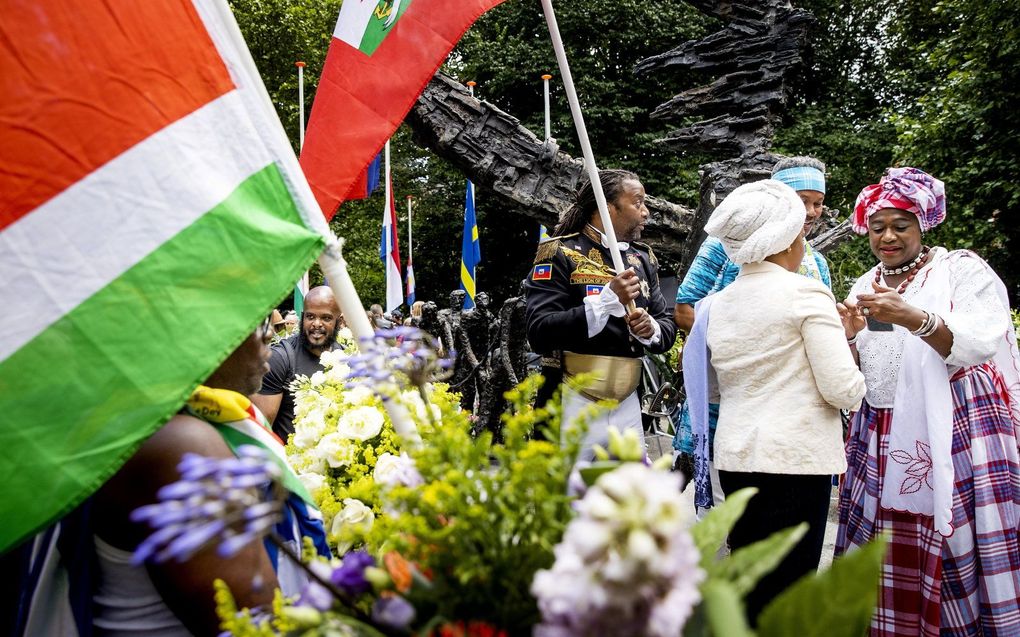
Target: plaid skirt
<point x="964" y="584"/>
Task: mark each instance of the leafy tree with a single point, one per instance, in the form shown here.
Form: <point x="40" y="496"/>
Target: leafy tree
<point x="924" y="84"/>
<point x="960" y="121"/>
<point x="905" y="82"/>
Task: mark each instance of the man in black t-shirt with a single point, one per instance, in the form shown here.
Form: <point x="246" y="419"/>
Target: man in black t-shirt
<point x="298" y="355"/>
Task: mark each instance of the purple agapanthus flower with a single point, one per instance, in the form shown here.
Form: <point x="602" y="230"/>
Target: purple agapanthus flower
<point x="394" y="612"/>
<point x="216" y="500"/>
<point x="407" y="351"/>
<point x="315" y="595"/>
<point x="349" y="577"/>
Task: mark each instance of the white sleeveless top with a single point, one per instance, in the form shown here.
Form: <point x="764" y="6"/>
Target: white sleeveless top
<point x="126" y="602"/>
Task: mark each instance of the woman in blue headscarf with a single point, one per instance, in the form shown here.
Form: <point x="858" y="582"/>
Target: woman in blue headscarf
<point x="712" y="270"/>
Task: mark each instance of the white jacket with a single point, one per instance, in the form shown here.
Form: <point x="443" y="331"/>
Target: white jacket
<point x="784" y="371"/>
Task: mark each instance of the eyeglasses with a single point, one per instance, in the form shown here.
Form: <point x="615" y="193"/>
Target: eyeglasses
<point x="266" y="327"/>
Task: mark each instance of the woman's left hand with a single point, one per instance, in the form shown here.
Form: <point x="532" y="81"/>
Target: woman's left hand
<point x="888" y="306"/>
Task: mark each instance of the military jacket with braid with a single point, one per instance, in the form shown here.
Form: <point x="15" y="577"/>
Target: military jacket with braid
<point x="571" y="267"/>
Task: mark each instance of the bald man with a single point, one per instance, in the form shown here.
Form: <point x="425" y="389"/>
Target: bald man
<point x="298" y="355"/>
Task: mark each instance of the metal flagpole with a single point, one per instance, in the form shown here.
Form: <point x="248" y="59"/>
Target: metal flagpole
<point x="582" y="134"/>
<point x="543" y="233"/>
<point x="301" y="102"/>
<point x="471" y="87"/>
<point x="548" y="124"/>
<point x="409" y="245"/>
<point x="302" y="285"/>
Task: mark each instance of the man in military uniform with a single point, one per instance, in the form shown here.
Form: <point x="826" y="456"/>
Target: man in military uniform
<point x="577" y="304"/>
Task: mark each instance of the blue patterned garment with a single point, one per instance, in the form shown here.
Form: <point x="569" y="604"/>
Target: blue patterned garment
<point x="710" y="272"/>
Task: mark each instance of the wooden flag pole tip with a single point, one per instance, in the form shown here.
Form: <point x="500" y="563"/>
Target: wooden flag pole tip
<point x="472" y="83"/>
<point x="546" y="77"/>
<point x="300" y="65"/>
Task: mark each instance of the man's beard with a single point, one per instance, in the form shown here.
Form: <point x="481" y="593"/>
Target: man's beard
<point x="305" y="343"/>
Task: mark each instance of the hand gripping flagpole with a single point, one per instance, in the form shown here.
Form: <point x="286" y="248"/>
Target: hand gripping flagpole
<point x="582" y="134"/>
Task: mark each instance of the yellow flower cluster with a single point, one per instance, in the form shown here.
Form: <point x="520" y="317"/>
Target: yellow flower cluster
<point x="339" y="435"/>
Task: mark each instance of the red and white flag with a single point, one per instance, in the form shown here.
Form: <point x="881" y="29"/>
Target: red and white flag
<point x="381" y="57"/>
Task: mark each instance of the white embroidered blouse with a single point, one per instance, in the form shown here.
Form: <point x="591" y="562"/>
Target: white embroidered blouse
<point x="977" y="320"/>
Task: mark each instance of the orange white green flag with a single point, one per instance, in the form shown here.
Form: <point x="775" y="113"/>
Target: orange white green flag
<point x="152" y="212"/>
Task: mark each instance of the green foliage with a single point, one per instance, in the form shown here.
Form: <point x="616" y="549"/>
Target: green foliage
<point x="711" y="531"/>
<point x="836" y="603"/>
<point x="847" y="592"/>
<point x="963" y="126"/>
<point x="723" y="609"/>
<point x="486" y="518"/>
<point x="933" y="88"/>
<point x="280" y="33"/>
<point x="847" y="263"/>
<point x="509" y="49"/>
<point x="745" y="566"/>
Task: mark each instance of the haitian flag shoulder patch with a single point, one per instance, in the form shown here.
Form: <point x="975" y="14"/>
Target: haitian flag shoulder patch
<point x="542" y="272"/>
<point x="592" y="290"/>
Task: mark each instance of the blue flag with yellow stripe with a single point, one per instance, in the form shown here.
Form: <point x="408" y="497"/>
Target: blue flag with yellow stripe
<point x="471" y="251"/>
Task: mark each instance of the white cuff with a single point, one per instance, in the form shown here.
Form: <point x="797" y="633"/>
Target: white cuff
<point x="655" y="337"/>
<point x="599" y="307"/>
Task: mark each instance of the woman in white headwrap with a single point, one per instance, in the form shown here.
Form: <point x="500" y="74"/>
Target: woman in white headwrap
<point x="775" y="345"/>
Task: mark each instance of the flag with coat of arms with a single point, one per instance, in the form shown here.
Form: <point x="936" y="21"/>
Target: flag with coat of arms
<point x="381" y="56"/>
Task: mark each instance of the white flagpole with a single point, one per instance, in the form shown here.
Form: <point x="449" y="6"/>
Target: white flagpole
<point x="582" y="134"/>
<point x="548" y="124"/>
<point x="543" y="232"/>
<point x="302" y="284"/>
<point x="471" y="87"/>
<point x="301" y="102"/>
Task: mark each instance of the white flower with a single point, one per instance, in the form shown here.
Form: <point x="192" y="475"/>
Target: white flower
<point x="359" y="395"/>
<point x="312" y="481"/>
<point x="360" y="423"/>
<point x="626" y="564"/>
<point x="309" y="428"/>
<point x="391" y="470"/>
<point x="337" y="450"/>
<point x="337" y="374"/>
<point x="333" y="358"/>
<point x="355" y="515"/>
<point x="317" y="379"/>
<point x="308" y="461"/>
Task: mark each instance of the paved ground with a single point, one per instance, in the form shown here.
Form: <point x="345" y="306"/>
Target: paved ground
<point x="662" y="445"/>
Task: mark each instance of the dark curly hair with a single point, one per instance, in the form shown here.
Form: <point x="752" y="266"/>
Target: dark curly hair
<point x="584" y="201"/>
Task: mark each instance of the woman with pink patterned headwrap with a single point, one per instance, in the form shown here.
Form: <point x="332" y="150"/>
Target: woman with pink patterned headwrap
<point x="932" y="453"/>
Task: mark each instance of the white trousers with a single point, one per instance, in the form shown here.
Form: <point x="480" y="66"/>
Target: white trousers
<point x="626" y="415"/>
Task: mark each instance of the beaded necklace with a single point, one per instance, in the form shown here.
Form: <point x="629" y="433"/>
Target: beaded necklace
<point x="913" y="267"/>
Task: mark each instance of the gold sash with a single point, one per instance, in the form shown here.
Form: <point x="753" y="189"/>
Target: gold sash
<point x="612" y="377"/>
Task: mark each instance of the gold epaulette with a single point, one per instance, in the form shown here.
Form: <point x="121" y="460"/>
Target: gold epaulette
<point x="548" y="248"/>
<point x="651" y="255"/>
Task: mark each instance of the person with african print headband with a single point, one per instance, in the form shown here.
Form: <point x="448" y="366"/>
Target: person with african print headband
<point x="96" y="587"/>
<point x="712" y="270"/>
<point x="932" y="453"/>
